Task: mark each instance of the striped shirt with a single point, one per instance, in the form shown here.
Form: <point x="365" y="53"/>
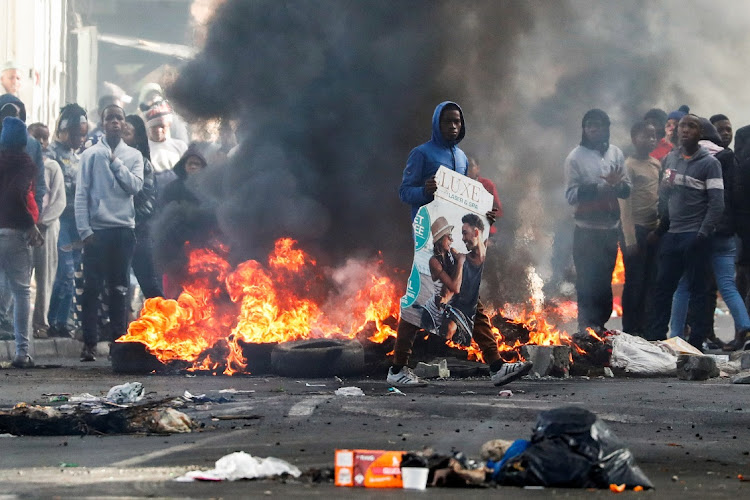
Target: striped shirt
<point x="695" y="192"/>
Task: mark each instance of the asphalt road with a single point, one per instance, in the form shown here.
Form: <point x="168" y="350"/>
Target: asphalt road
<point x="690" y="438"/>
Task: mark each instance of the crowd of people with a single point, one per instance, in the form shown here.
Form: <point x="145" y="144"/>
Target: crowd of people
<point x="76" y="206"/>
<point x="676" y="203"/>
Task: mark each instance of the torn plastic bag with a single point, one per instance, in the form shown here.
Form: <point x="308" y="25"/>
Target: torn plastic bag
<point x="638" y="356"/>
<point x="571" y="447"/>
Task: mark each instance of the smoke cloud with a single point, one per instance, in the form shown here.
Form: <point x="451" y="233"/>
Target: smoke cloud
<point x="331" y="95"/>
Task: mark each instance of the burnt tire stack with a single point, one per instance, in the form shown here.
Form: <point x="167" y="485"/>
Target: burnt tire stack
<point x="318" y="358"/>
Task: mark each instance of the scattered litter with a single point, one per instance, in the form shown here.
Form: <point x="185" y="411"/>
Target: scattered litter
<point x="241" y="465"/>
<point x="743" y="478"/>
<point x="349" y="391"/>
<point x="414" y="478"/>
<point x="235" y="391"/>
<point x="239" y="416"/>
<point x="188" y="395"/>
<point x="571" y="447"/>
<point x="7" y="435"/>
<point x="678" y="345"/>
<point x="637" y="355"/>
<point x="468" y="392"/>
<point x="84" y="397"/>
<point x="57" y="399"/>
<point x="101" y="417"/>
<point x="338" y="379"/>
<point x="394" y="390"/>
<point x="308" y="384"/>
<point x="68" y="464"/>
<point x="608" y="372"/>
<point x="368" y="468"/>
<point x="130" y="392"/>
<point x="616" y="488"/>
<point x="506" y="393"/>
<point x="166" y="421"/>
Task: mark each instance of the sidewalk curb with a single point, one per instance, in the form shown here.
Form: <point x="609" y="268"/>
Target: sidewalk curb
<point x="50" y="349"/>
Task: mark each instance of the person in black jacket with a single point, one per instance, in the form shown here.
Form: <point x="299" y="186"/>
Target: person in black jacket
<point x="741" y="199"/>
<point x="177" y="190"/>
<point x="134" y="135"/>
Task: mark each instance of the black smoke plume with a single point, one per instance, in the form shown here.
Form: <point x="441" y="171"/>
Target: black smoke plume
<point x="331" y="95"/>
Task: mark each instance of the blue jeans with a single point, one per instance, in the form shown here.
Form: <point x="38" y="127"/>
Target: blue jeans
<point x="63" y="289"/>
<point x="15" y="265"/>
<point x="723" y="252"/>
<point x="679" y="254"/>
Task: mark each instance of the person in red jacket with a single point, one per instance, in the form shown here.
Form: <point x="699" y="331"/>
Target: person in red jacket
<point x="473" y="173"/>
<point x="18" y="232"/>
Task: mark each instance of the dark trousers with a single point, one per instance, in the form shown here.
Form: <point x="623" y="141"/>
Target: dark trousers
<point x="640" y="271"/>
<point x="106" y="262"/>
<point x="406" y="333"/>
<point x="143" y="264"/>
<point x="594" y="255"/>
<point x="680" y="253"/>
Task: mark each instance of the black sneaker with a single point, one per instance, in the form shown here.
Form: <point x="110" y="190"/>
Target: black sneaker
<point x="87" y="353"/>
<point x="23" y="362"/>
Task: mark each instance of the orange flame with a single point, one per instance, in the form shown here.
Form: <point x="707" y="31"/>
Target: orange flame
<point x="618" y="275"/>
<point x="255" y="304"/>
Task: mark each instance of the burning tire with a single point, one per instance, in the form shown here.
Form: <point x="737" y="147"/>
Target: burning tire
<point x="318" y="358"/>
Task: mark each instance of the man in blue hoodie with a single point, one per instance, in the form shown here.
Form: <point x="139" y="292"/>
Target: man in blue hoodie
<point x="111" y="174"/>
<point x="418" y="188"/>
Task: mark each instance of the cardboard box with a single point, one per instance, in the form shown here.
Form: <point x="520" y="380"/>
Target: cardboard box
<point x="368" y="468"/>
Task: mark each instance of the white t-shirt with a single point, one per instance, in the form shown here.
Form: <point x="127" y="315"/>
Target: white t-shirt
<point x="164" y="155"/>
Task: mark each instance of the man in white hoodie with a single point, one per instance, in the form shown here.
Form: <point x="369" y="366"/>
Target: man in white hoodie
<point x="111" y="173"/>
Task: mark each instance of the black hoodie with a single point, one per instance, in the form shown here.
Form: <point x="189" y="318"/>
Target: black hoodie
<point x="177" y="190"/>
<point x="33" y="149"/>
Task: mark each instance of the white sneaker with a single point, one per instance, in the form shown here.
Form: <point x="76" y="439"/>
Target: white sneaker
<point x="510" y="372"/>
<point x="404" y="378"/>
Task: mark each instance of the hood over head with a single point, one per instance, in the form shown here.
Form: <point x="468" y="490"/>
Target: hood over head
<point x="437" y="136"/>
<point x="14" y="134"/>
<point x="709" y="132"/>
<point x="604" y="118"/>
<point x="179" y="167"/>
<point x="11" y="99"/>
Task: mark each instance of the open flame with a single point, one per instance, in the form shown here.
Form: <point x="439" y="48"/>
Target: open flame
<point x="289" y="299"/>
<point x="256" y="304"/>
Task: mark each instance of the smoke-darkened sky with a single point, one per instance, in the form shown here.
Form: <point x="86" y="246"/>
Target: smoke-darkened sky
<point x="331" y="95"/>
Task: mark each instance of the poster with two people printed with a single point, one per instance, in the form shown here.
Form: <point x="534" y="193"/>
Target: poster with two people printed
<point x="450" y="246"/>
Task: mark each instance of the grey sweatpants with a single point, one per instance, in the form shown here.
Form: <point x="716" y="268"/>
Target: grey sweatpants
<point x="45" y="267"/>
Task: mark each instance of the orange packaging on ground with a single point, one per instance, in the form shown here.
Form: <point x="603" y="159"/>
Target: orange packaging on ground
<point x="368" y="468"/>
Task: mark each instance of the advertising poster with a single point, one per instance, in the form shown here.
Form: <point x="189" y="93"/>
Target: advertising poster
<point x="450" y="235"/>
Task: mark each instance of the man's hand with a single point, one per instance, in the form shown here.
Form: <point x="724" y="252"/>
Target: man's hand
<point x="633" y="249"/>
<point x="614" y="177"/>
<point x="652" y="238"/>
<point x="430" y="186"/>
<point x="34" y="238"/>
<point x="89" y="240"/>
<point x="492" y="215"/>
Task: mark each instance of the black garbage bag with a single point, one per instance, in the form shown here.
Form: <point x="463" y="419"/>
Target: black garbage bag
<point x="571" y="447"/>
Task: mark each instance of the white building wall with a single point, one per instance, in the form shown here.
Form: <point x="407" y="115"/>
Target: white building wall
<point x="33" y="34"/>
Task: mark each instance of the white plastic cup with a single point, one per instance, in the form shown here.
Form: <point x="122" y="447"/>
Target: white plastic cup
<point x="414" y="478"/>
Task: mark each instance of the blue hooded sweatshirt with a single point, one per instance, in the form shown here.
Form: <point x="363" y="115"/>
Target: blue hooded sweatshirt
<point x="424" y="161"/>
<point x="33" y="149"/>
